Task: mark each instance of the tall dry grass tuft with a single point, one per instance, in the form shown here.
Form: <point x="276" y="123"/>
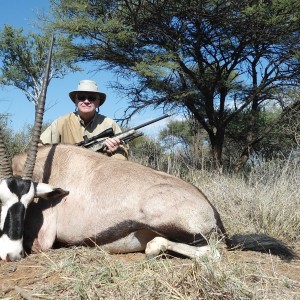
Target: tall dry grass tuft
<point x="266" y="201"/>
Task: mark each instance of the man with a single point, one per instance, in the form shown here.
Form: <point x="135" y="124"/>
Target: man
<point x="85" y="121"/>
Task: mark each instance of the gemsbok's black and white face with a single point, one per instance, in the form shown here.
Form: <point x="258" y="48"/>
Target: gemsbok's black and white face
<point x="15" y="196"/>
<point x="16" y="193"/>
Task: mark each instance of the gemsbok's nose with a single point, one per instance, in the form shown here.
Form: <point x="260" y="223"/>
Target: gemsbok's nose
<point x="14" y="257"/>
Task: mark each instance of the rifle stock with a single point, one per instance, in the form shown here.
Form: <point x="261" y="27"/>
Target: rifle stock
<point x="87" y="142"/>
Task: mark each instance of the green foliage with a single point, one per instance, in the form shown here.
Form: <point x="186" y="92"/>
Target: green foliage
<point x="146" y="150"/>
<point x="24" y="58"/>
<point x="271" y="142"/>
<point x="179" y="131"/>
<point x="16" y="142"/>
<point x="188" y="141"/>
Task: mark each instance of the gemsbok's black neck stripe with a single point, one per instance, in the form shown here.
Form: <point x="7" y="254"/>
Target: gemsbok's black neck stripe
<point x="14" y="221"/>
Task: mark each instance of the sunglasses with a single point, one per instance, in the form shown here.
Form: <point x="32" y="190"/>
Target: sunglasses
<point x="91" y="98"/>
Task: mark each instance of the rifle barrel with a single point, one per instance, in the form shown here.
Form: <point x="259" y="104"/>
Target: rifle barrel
<point x="151" y="121"/>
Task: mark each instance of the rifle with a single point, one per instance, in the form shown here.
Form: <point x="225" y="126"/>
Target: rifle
<point x="93" y="143"/>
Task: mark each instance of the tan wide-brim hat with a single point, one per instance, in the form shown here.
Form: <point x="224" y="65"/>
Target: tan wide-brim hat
<point x="88" y="86"/>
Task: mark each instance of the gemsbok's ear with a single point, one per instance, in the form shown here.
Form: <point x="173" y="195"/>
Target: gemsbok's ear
<point x="46" y="191"/>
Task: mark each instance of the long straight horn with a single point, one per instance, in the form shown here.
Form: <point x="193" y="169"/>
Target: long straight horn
<point x="5" y="165"/>
<point x="39" y="113"/>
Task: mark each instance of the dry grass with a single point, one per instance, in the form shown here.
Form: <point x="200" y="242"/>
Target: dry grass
<point x="93" y="275"/>
<point x="267" y="201"/>
<point x="89" y="273"/>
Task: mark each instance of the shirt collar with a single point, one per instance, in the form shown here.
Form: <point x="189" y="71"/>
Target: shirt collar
<point x="82" y="122"/>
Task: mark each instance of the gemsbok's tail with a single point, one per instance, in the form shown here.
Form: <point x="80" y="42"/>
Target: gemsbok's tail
<point x="260" y="243"/>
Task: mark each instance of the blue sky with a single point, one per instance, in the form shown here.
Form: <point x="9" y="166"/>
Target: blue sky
<point x="12" y="101"/>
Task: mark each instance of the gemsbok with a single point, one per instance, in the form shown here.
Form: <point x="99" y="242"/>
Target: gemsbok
<point x="123" y="207"/>
<point x="16" y="192"/>
<point x="120" y="205"/>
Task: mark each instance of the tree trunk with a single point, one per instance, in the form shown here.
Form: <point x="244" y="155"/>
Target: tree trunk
<point x="217" y="148"/>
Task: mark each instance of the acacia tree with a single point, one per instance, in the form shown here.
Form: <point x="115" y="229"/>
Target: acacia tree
<point x="189" y="141"/>
<point x="23" y="60"/>
<point x="213" y="59"/>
